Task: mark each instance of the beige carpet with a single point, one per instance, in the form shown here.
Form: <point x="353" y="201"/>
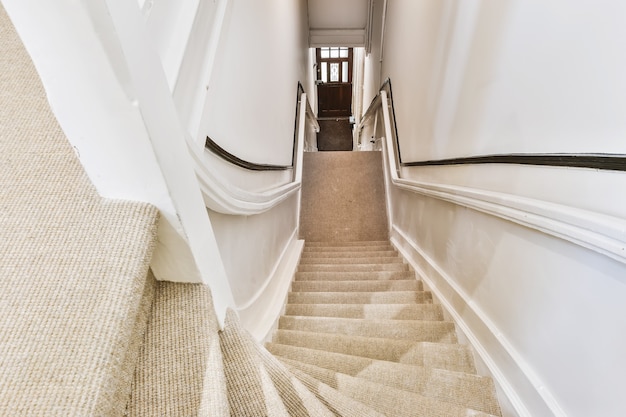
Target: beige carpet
<point x="376" y="337"/>
<point x="73" y="292"/>
<point x="343" y="197"/>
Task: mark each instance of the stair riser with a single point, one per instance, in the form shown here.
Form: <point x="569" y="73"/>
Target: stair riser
<point x="400" y="297"/>
<point x="430" y="312"/>
<point x="351" y="254"/>
<point x="314" y="249"/>
<point x="352" y="268"/>
<point x="358" y="286"/>
<point x="354" y="276"/>
<point x="334" y="261"/>
<point x="363" y="243"/>
<point x="418" y="331"/>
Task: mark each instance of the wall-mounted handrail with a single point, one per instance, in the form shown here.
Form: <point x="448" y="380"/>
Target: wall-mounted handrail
<point x="602" y="161"/>
<point x="224" y="197"/>
<point x="210" y="145"/>
<point x="596" y="231"/>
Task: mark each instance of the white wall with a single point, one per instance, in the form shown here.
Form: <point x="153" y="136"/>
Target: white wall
<point x="252" y="246"/>
<point x="529" y="259"/>
<point x="251" y="101"/>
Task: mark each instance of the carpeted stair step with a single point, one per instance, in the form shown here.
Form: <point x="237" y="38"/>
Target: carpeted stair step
<point x="431" y="312"/>
<point x="350" y="254"/>
<point x="259" y="385"/>
<point x="298" y="400"/>
<point x="385" y="246"/>
<point x="341" y="261"/>
<point x="354" y="276"/>
<point x="250" y="389"/>
<point x="352" y="268"/>
<point x="461" y="389"/>
<point x="180" y="368"/>
<point x="357" y="286"/>
<point x="340" y="404"/>
<point x="358" y="243"/>
<point x="414" y="330"/>
<point x="453" y="357"/>
<point x="354" y="297"/>
<point x="392" y="402"/>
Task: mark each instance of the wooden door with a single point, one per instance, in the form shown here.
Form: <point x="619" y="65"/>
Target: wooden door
<point x="334" y="74"/>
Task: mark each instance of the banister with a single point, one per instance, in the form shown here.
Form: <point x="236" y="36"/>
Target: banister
<point x="210" y="145"/>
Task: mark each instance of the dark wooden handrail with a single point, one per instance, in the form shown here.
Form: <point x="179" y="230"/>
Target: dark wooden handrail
<point x="227" y="156"/>
<point x="601" y="161"/>
<point x="610" y="162"/>
<point x="212" y="146"/>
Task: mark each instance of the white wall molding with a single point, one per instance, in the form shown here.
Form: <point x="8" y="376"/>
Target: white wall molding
<point x="519" y="383"/>
<point x="595" y="231"/>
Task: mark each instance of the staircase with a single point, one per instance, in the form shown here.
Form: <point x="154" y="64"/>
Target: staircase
<point x="86" y="330"/>
<point x="359" y="321"/>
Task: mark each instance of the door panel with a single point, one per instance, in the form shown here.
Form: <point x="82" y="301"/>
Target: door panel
<point x="334" y="73"/>
<point x="334" y="100"/>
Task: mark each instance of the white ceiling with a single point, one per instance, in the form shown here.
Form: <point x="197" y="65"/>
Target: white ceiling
<point x="338" y="14"/>
<point x="332" y="18"/>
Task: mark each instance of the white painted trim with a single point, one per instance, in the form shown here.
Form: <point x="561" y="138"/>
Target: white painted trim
<point x="260" y="313"/>
<point x="592" y="230"/>
<point x="480" y="332"/>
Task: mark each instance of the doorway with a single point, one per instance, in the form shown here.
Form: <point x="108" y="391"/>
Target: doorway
<point x="334" y="98"/>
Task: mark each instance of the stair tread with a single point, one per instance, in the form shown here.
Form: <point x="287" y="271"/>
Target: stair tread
<point x="462" y="389"/>
<point x="351" y="260"/>
<point x="349" y="254"/>
<point x="353" y="267"/>
<point x="340" y="404"/>
<point x="365" y="311"/>
<point x="357" y="286"/>
<point x="355" y="275"/>
<point x="338" y="249"/>
<point x="454" y="357"/>
<point x="309" y="243"/>
<point x="415" y="330"/>
<point x="384" y="399"/>
<point x="359" y="297"/>
<point x="258" y="384"/>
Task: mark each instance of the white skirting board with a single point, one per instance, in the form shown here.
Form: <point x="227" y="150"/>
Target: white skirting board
<point x="520" y="391"/>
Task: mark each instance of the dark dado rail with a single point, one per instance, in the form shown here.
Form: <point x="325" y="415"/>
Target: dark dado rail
<point x="227" y="156"/>
<point x="610" y="162"/>
<point x="600" y="161"/>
